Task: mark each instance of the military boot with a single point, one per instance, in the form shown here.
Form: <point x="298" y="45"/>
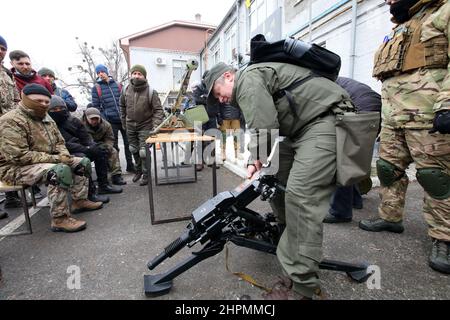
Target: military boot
<point x="13" y="201"/>
<point x="130" y="168"/>
<point x="108" y="189"/>
<point x="79" y="206"/>
<point x="98" y="198"/>
<point x="378" y="224"/>
<point x="283" y="290"/>
<point x="67" y="224"/>
<point x="144" y="181"/>
<point x="3" y="214"/>
<point x="440" y="256"/>
<point x="118" y="180"/>
<point x="137" y="176"/>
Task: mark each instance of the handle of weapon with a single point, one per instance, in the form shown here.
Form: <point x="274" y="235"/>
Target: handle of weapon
<point x="170" y="250"/>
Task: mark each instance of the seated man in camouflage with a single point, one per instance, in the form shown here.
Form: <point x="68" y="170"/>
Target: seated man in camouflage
<point x="102" y="133"/>
<point x="32" y="150"/>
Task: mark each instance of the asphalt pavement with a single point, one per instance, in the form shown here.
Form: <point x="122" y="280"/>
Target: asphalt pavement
<point x="111" y="255"/>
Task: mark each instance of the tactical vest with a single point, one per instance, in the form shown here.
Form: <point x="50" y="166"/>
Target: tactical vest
<point x="404" y="52"/>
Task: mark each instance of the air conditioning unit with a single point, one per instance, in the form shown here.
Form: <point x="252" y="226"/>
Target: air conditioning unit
<point x="160" y="61"/>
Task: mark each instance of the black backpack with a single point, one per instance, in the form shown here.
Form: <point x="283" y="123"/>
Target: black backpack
<point x="321" y="61"/>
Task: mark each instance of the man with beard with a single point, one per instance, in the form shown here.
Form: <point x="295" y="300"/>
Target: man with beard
<point x="413" y="65"/>
<point x="32" y="150"/>
<point x="49" y="75"/>
<point x="23" y="72"/>
<point x="141" y="112"/>
<point x="80" y="143"/>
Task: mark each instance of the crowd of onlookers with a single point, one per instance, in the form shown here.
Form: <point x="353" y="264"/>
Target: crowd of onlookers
<point x="44" y="142"/>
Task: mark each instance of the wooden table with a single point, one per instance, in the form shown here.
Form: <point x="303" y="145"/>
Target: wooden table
<point x="174" y="139"/>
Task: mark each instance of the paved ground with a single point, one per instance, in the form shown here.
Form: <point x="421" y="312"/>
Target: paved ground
<point x="112" y="253"/>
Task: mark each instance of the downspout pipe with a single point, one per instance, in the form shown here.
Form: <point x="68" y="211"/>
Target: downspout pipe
<point x="351" y="71"/>
<point x="238" y="31"/>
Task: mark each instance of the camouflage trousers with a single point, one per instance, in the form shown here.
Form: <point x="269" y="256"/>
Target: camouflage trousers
<point x="402" y="147"/>
<point x="137" y="140"/>
<point x="57" y="196"/>
<point x="113" y="161"/>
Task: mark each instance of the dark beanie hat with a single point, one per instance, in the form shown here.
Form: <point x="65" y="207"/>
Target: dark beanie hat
<point x="57" y="101"/>
<point x="3" y="42"/>
<point x="34" y="88"/>
<point x="101" y="68"/>
<point x="140" y="68"/>
<point x="46" y="71"/>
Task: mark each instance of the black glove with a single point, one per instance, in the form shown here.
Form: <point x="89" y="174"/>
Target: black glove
<point x="95" y="152"/>
<point x="441" y="122"/>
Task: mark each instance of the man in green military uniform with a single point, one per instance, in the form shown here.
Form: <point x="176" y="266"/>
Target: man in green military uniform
<point x="307" y="159"/>
<point x="141" y="112"/>
<point x="413" y="64"/>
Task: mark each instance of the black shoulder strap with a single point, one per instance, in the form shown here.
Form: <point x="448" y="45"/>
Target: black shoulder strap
<point x="288" y="92"/>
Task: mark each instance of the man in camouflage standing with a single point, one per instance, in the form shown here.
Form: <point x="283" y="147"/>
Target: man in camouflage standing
<point x="413" y="64"/>
<point x="9" y="99"/>
<point x="32" y="150"/>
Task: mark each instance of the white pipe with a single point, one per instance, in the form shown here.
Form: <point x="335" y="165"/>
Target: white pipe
<point x="353" y="39"/>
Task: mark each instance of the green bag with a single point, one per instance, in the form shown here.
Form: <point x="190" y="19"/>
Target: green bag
<point x="355" y="138"/>
<point x="195" y="114"/>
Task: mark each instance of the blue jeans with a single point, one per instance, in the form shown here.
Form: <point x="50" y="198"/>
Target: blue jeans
<point x="343" y="200"/>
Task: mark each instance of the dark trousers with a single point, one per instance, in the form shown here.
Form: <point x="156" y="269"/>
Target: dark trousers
<point x="343" y="200"/>
<point x="101" y="166"/>
<point x="116" y="128"/>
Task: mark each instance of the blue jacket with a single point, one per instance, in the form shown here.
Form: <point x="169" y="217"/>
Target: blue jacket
<point x="67" y="97"/>
<point x="108" y="103"/>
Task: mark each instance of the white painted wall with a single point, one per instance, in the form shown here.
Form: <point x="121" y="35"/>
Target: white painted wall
<point x="373" y="25"/>
<point x="161" y="76"/>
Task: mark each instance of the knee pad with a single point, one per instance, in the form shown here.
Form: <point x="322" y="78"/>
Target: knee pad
<point x="435" y="182"/>
<point x="59" y="175"/>
<point x="133" y="149"/>
<point x="142" y="153"/>
<point x="84" y="168"/>
<point x="388" y="173"/>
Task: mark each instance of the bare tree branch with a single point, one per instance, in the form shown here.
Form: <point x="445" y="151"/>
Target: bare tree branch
<point x="112" y="57"/>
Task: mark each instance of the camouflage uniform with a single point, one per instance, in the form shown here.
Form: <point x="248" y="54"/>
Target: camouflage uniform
<point x="28" y="148"/>
<point x="9" y="96"/>
<point x="409" y="101"/>
<point x="104" y="134"/>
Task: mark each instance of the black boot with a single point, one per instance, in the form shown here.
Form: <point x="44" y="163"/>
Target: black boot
<point x="37" y="192"/>
<point x="118" y="180"/>
<point x="378" y="224"/>
<point x="332" y="219"/>
<point x="108" y="189"/>
<point x="137" y="176"/>
<point x="13" y="200"/>
<point x="130" y="168"/>
<point x="144" y="181"/>
<point x="98" y="198"/>
<point x="3" y="214"/>
<point x="440" y="256"/>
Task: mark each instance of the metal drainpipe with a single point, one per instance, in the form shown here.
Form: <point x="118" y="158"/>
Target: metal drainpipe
<point x="310" y="20"/>
<point x="353" y="38"/>
<point x="238" y="32"/>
